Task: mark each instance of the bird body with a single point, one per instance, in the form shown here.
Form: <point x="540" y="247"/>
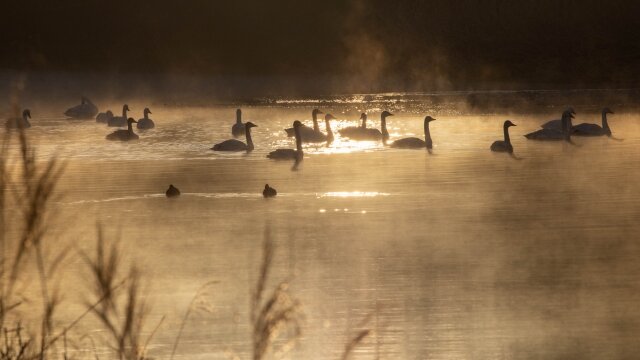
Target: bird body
<point x="237" y="145"/>
<point x="551" y="134"/>
<point x="104" y="117"/>
<point x="145" y="122"/>
<point x="238" y="128"/>
<point x="290" y="154"/>
<point x="86" y="110"/>
<point x="414" y="142"/>
<point x="557" y="124"/>
<point x="124" y="135"/>
<point x="364" y="133"/>
<point x="269" y="191"/>
<point x="172" y="191"/>
<point x="505" y="145"/>
<point x="309" y="134"/>
<point x="119" y="120"/>
<point x="19" y="122"/>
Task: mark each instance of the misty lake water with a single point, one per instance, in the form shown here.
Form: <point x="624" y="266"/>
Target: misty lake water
<point x="463" y="254"/>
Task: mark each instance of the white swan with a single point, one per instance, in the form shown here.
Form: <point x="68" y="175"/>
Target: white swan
<point x="120" y="120"/>
<point x="414" y="142"/>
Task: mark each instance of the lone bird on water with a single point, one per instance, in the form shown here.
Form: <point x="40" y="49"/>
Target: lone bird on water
<point x="269" y="191"/>
<point x="172" y="191"/>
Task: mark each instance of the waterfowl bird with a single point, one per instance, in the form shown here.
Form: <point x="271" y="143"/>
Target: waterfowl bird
<point x="327" y="123"/>
<point x="237" y="145"/>
<point x="145" y="122"/>
<point x="172" y="191"/>
<point x="86" y="110"/>
<point x="414" y="142"/>
<point x="104" y="117"/>
<point x="586" y="129"/>
<point x="290" y="154"/>
<point x="557" y="124"/>
<point x="383" y="126"/>
<point x="120" y="120"/>
<point x="349" y="131"/>
<point x="505" y="145"/>
<point x="308" y="134"/>
<point x="554" y="134"/>
<point x="269" y="191"/>
<point x="124" y="135"/>
<point x="237" y="129"/>
<point x="19" y="122"/>
<point x="363" y="133"/>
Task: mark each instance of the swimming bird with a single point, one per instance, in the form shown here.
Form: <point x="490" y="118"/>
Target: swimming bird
<point x="505" y="145"/>
<point x="364" y="133"/>
<point x="554" y="134"/>
<point x="104" y="117"/>
<point x="145" y="122"/>
<point x="19" y="122"/>
<point x="586" y="129"/>
<point x="172" y="191"/>
<point x="414" y="142"/>
<point x="86" y="110"/>
<point x="557" y="124"/>
<point x="383" y="126"/>
<point x="237" y="145"/>
<point x="238" y="128"/>
<point x="124" y="135"/>
<point x="308" y="134"/>
<point x="351" y="130"/>
<point x="327" y="123"/>
<point x="290" y="154"/>
<point x="120" y="120"/>
<point x="269" y="191"/>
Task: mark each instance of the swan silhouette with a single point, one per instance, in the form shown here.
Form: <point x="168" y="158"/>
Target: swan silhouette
<point x="364" y="133"/>
<point x="308" y="134"/>
<point x="145" y="122"/>
<point x="504" y="145"/>
<point x="327" y="123"/>
<point x="172" y="191"/>
<point x="290" y="154"/>
<point x="124" y="135"/>
<point x="104" y="117"/>
<point x="586" y="129"/>
<point x="414" y="142"/>
<point x="554" y="134"/>
<point x="269" y="191"/>
<point x="86" y="110"/>
<point x="19" y="122"/>
<point x="557" y="124"/>
<point x="120" y="120"/>
<point x="237" y="145"/>
<point x="237" y="129"/>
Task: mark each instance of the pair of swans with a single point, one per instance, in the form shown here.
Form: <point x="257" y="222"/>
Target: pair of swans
<point x="585" y="129"/>
<point x="363" y="133"/>
<point x="116" y="121"/>
<point x="312" y="134"/>
<point x="86" y="110"/>
<point x="19" y="122"/>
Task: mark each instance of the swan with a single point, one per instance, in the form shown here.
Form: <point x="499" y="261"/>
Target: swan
<point x="17" y="122"/>
<point x="269" y="191"/>
<point x="556" y="124"/>
<point x="172" y="191"/>
<point x="120" y="120"/>
<point x="86" y="110"/>
<point x="290" y="154"/>
<point x="237" y="145"/>
<point x="327" y="123"/>
<point x="104" y="117"/>
<point x="308" y="134"/>
<point x="363" y="133"/>
<point x="414" y="142"/>
<point x="586" y="129"/>
<point x="554" y="134"/>
<point x="237" y="129"/>
<point x="124" y="135"/>
<point x="145" y="122"/>
<point x="505" y="145"/>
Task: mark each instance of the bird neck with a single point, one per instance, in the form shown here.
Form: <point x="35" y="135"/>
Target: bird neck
<point x="364" y="122"/>
<point x="298" y="138"/>
<point x="507" y="139"/>
<point x="427" y="133"/>
<point x="247" y="133"/>
<point x="385" y="132"/>
<point x="124" y="112"/>
<point x="605" y="123"/>
<point x="329" y="132"/>
<point x="238" y="117"/>
<point x="130" y="127"/>
<point x="146" y="115"/>
<point x="316" y="128"/>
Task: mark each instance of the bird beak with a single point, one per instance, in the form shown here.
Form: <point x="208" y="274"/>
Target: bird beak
<point x="150" y="112"/>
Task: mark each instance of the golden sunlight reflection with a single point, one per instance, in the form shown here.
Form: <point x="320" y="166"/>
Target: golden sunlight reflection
<point x="352" y="194"/>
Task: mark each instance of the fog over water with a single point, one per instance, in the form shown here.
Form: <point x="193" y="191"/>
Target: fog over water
<point x="463" y="254"/>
